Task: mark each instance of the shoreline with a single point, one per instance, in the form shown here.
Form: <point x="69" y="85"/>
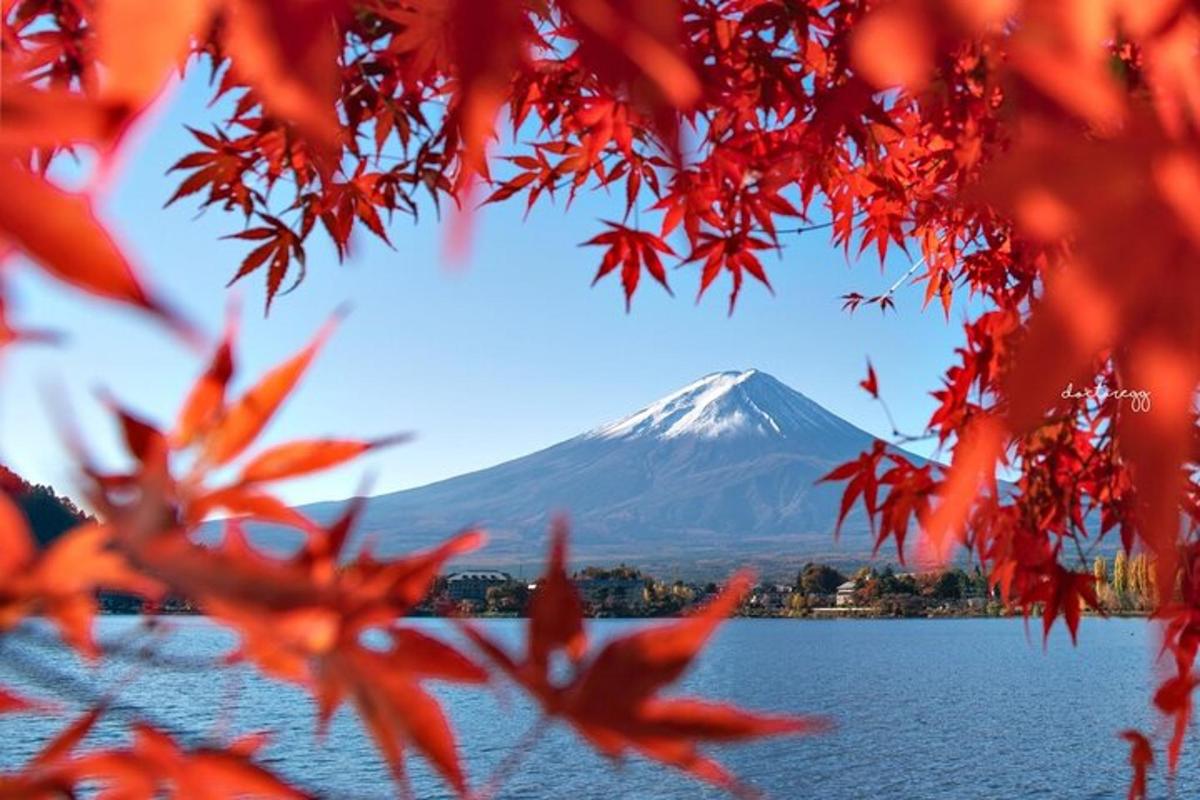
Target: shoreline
<point x="816" y="615"/>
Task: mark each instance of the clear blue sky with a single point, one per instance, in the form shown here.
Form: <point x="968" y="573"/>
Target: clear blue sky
<point x="501" y="356"/>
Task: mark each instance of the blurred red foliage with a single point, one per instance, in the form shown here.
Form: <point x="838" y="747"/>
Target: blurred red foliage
<point x="1041" y="155"/>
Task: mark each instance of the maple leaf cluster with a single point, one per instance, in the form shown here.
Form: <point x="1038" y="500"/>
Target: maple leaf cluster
<point x="308" y="78"/>
<point x="1066" y="198"/>
<point x="1040" y="156"/>
<point x="322" y="618"/>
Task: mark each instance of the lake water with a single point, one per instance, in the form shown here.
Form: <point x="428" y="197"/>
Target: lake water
<point x="934" y="709"/>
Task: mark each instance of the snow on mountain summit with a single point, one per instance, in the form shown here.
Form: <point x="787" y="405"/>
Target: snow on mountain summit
<point x="726" y="470"/>
<point x="722" y="404"/>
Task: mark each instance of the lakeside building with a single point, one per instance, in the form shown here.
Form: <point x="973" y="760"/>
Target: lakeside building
<point x="770" y="597"/>
<point x="601" y="590"/>
<point x="474" y="585"/>
<point x="845" y="593"/>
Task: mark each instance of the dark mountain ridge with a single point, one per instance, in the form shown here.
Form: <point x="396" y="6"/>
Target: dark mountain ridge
<point x="49" y="514"/>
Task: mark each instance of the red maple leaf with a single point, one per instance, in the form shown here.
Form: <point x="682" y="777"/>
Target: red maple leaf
<point x="612" y="697"/>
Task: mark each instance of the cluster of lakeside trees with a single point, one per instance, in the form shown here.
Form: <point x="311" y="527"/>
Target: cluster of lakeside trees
<point x="49" y="514"/>
<point x="1125" y="585"/>
<point x="625" y="591"/>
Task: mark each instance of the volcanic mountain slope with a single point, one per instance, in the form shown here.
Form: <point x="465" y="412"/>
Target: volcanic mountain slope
<point x="719" y="473"/>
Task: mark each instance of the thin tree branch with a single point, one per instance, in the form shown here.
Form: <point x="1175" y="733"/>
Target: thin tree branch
<point x="915" y="266"/>
<point x="806" y="228"/>
<point x="508" y="766"/>
<point x="65" y="685"/>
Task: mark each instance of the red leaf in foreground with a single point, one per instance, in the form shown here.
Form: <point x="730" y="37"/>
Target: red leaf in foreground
<point x="612" y="699"/>
<point x="488" y="42"/>
<point x="893" y="47"/>
<point x="61" y="581"/>
<point x="733" y="253"/>
<point x="288" y="53"/>
<point x="55" y="116"/>
<point x="1066" y="592"/>
<point x="251" y="413"/>
<point x="13" y="704"/>
<point x="48" y="775"/>
<point x="245" y="503"/>
<point x="205" y="403"/>
<point x="1174" y="698"/>
<point x="204" y="771"/>
<point x="59" y="231"/>
<point x="302" y="457"/>
<point x="862" y="481"/>
<point x="631" y="250"/>
<point x="280" y="246"/>
<point x="68" y="738"/>
<point x="308" y="617"/>
<point x="624" y="40"/>
<point x="137" y="65"/>
<point x="155" y="765"/>
<point x="555" y="612"/>
<point x="973" y="467"/>
<point x="871" y="383"/>
<point x="303" y="619"/>
<point x="1141" y="758"/>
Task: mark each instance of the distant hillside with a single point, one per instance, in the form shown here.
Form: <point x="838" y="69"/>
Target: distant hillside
<point x="49" y="514"/>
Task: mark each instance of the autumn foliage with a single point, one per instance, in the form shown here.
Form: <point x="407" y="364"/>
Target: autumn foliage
<point x="1040" y="156"/>
<point x="305" y="618"/>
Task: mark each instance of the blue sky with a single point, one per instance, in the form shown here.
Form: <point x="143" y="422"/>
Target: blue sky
<point x="504" y="354"/>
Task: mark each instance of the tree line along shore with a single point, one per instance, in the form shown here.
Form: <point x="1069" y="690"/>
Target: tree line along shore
<point x="1124" y="586"/>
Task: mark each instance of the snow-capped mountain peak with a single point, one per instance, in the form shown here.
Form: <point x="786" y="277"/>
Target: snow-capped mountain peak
<point x="736" y="403"/>
<point x="724" y="471"/>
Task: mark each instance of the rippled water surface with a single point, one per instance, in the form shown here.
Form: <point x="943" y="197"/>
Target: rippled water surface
<point x="925" y="709"/>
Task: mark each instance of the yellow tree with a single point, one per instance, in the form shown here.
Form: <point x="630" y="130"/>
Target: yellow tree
<point x="1100" y="573"/>
<point x="1120" y="581"/>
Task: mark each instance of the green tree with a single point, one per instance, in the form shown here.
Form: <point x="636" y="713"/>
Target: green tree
<point x="891" y="583"/>
<point x="48" y="514"/>
<point x="819" y="579"/>
<point x="949" y="585"/>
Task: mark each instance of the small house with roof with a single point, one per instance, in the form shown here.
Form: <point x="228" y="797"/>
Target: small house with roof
<point x="845" y="593"/>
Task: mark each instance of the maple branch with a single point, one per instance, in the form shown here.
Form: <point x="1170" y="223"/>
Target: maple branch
<point x="1083" y="559"/>
<point x="854" y="299"/>
<point x="901" y="438"/>
<point x="806" y="228"/>
<point x="63" y="684"/>
<point x="887" y="412"/>
<point x="1087" y="554"/>
<point x="516" y="754"/>
<point x="915" y="266"/>
<point x="817" y="226"/>
<point x="119" y="650"/>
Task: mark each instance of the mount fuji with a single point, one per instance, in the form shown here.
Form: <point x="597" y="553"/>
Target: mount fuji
<point x="719" y="473"/>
